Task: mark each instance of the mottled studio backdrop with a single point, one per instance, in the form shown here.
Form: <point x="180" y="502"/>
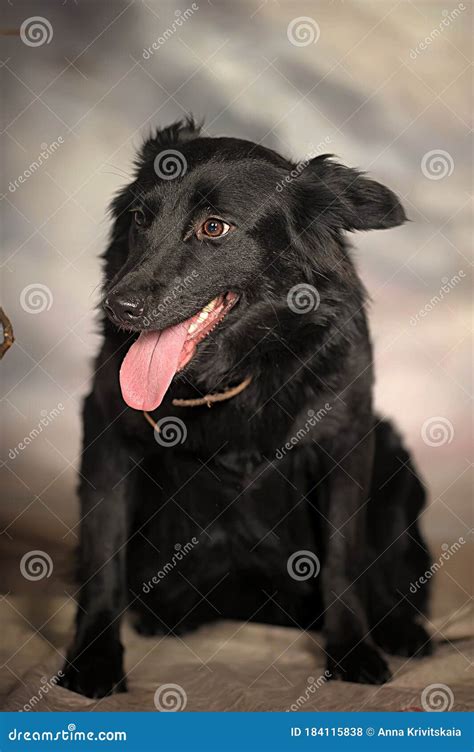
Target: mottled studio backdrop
<point x="384" y="85"/>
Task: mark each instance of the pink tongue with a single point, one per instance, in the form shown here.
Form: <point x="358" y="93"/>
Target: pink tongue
<point x="149" y="366"/>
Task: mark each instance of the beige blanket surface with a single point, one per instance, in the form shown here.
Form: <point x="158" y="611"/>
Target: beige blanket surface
<point x="230" y="665"/>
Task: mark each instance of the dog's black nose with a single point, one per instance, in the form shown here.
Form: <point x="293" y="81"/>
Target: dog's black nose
<point x="124" y="308"/>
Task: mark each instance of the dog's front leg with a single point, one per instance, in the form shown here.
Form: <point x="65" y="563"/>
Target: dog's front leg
<point x="351" y="654"/>
<point x="94" y="665"/>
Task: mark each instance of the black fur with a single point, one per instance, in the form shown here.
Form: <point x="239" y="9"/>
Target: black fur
<point x="345" y="490"/>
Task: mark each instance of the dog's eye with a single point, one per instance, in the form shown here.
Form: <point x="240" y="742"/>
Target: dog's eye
<point x="213" y="228"/>
<point x="139" y="217"/>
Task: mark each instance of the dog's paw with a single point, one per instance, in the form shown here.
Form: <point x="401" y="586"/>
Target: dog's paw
<point x="403" y="637"/>
<point x="95" y="674"/>
<point x="362" y="664"/>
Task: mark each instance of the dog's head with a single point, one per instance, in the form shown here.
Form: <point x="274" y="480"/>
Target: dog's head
<point x="213" y="235"/>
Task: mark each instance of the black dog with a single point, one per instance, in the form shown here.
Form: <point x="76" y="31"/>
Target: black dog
<point x="287" y="501"/>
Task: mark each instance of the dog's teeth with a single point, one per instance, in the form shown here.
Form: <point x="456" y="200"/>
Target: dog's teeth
<point x="192" y="328"/>
<point x="202" y="316"/>
<point x="210" y="306"/>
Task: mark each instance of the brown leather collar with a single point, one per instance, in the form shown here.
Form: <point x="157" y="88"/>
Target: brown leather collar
<point x="208" y="399"/>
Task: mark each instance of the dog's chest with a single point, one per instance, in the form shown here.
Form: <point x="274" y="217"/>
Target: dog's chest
<point x="245" y="512"/>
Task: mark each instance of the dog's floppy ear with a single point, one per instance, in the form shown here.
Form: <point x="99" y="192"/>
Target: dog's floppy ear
<point x="350" y="200"/>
